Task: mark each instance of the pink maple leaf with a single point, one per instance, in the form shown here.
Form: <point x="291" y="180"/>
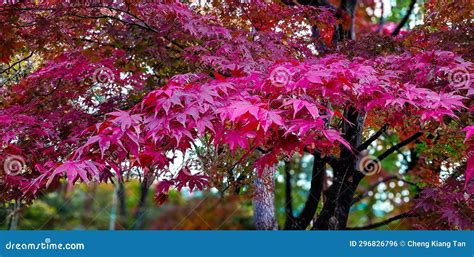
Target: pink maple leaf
<point x="469" y="132"/>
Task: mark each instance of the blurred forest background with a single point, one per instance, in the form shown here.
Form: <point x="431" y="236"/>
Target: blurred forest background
<point x="131" y="206"/>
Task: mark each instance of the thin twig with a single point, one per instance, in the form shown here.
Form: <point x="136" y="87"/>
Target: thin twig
<point x="372" y="138"/>
<point x="399" y="145"/>
<point x="404" y="19"/>
<point x="385" y="222"/>
<point x="17" y="62"/>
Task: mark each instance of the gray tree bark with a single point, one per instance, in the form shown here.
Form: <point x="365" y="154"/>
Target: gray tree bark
<point x="15" y="215"/>
<point x="113" y="209"/>
<point x="264" y="200"/>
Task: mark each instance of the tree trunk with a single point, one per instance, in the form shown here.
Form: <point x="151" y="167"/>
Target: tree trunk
<point x="303" y="220"/>
<point x="113" y="210"/>
<point x="346" y="177"/>
<point x="122" y="205"/>
<point x="15" y="215"/>
<point x="140" y="213"/>
<point x="264" y="200"/>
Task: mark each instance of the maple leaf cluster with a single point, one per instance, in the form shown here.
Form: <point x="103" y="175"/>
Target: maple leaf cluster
<point x="252" y="111"/>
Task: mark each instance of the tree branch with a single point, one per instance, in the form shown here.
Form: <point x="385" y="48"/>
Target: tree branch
<point x="288" y="196"/>
<point x="17" y="62"/>
<point x="324" y="3"/>
<point x="349" y="6"/>
<point x="404" y="19"/>
<point x="305" y="217"/>
<point x="385" y="222"/>
<point x="372" y="138"/>
<point x="382" y="20"/>
<point x="413" y="160"/>
<point x="399" y="145"/>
